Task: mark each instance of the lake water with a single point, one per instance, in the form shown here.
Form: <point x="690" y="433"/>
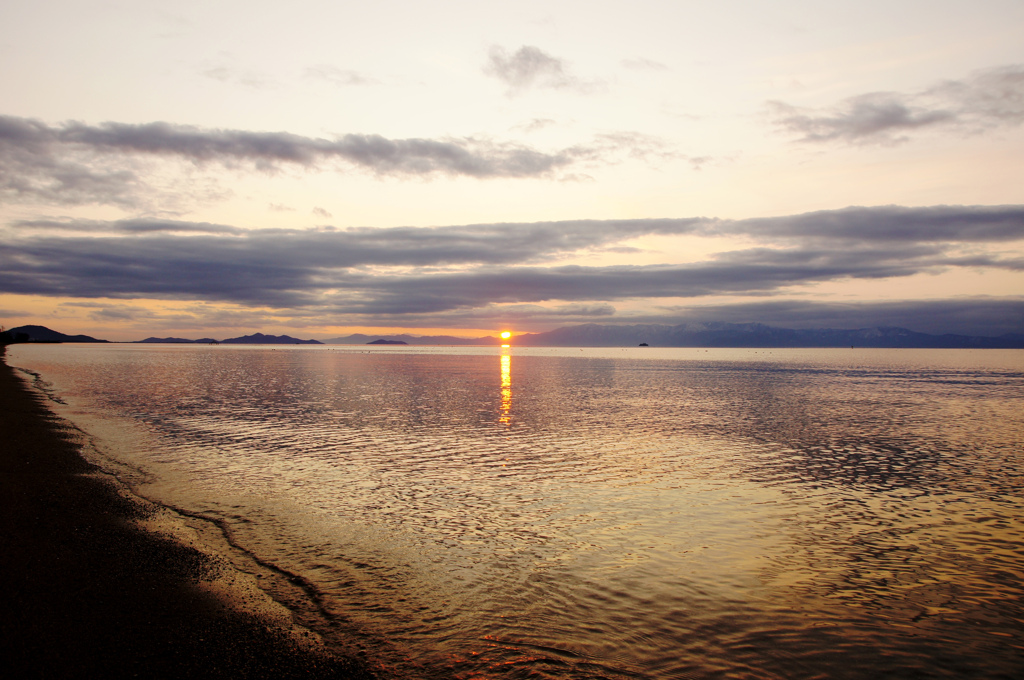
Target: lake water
<point x="599" y="513"/>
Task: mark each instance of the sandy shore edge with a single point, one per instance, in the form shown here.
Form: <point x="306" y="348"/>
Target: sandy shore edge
<point x="100" y="582"/>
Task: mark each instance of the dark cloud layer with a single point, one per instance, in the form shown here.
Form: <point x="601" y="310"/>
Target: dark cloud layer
<point x="970" y="316"/>
<point x="755" y="272"/>
<point x="983" y="316"/>
<point x="892" y="223"/>
<point x="519" y="241"/>
<point x="354" y="247"/>
<point x="461" y="271"/>
<point x="983" y="100"/>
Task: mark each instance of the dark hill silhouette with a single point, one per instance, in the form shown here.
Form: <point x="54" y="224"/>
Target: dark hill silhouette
<point x="261" y="339"/>
<point x="44" y="334"/>
<point x="362" y="339"/>
<point x="178" y="341"/>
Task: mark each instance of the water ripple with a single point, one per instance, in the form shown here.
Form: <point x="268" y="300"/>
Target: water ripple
<point x="545" y="514"/>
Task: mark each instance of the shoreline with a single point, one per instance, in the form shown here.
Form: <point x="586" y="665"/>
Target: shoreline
<point x="95" y="584"/>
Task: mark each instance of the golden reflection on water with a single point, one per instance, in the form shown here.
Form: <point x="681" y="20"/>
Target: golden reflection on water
<point x="506" y="386"/>
<point x="823" y="515"/>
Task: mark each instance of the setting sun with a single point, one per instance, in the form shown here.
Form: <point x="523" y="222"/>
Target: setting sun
<point x="505" y="335"/>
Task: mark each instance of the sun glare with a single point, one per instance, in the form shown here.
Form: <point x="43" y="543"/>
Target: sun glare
<point x="505" y="335"/>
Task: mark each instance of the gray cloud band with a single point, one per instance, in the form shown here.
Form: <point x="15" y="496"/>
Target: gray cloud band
<point x="990" y="316"/>
<point x="424" y="270"/>
<point x="980" y="315"/>
<point x="522" y="241"/>
<point x="985" y="99"/>
<point x="74" y="163"/>
<point x="471" y="157"/>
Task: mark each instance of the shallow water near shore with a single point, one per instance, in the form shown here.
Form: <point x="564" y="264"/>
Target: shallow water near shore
<point x="565" y="513"/>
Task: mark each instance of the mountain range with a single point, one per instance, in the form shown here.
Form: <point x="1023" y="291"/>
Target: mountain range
<point x="254" y="339"/>
<point x="756" y="335"/>
<point x="601" y="335"/>
<point x="361" y="339"/>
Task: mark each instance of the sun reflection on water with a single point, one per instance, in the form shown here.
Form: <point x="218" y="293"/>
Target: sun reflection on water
<point x="506" y="386"/>
<point x="826" y="514"/>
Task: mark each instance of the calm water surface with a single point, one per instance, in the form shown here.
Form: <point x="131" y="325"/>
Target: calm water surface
<point x="604" y="513"/>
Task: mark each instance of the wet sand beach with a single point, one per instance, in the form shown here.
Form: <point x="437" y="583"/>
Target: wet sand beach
<point x="88" y="592"/>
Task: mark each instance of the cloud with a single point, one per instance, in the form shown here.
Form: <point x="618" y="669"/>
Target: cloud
<point x="530" y="67"/>
<point x="16" y="313"/>
<point x="751" y="272"/>
<point x="75" y="163"/>
<point x="471" y="157"/>
<point x="195" y="318"/>
<point x="870" y="118"/>
<point x="983" y="316"/>
<point x="31" y="169"/>
<point x="321" y="212"/>
<point x="105" y="312"/>
<point x="966" y="315"/>
<point x="34" y="143"/>
<point x="521" y="315"/>
<point x="413" y="272"/>
<point x="698" y="162"/>
<point x="132" y="226"/>
<point x="225" y="74"/>
<point x="338" y="76"/>
<point x="934" y="224"/>
<point x="37" y="166"/>
<point x="984" y="100"/>
<point x="633" y="144"/>
<point x="535" y="125"/>
<point x="990" y="97"/>
<point x="503" y="243"/>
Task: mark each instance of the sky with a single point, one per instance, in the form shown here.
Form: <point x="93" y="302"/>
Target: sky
<point x="213" y="169"/>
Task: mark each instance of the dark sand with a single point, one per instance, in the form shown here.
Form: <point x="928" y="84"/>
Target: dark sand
<point x="86" y="593"/>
